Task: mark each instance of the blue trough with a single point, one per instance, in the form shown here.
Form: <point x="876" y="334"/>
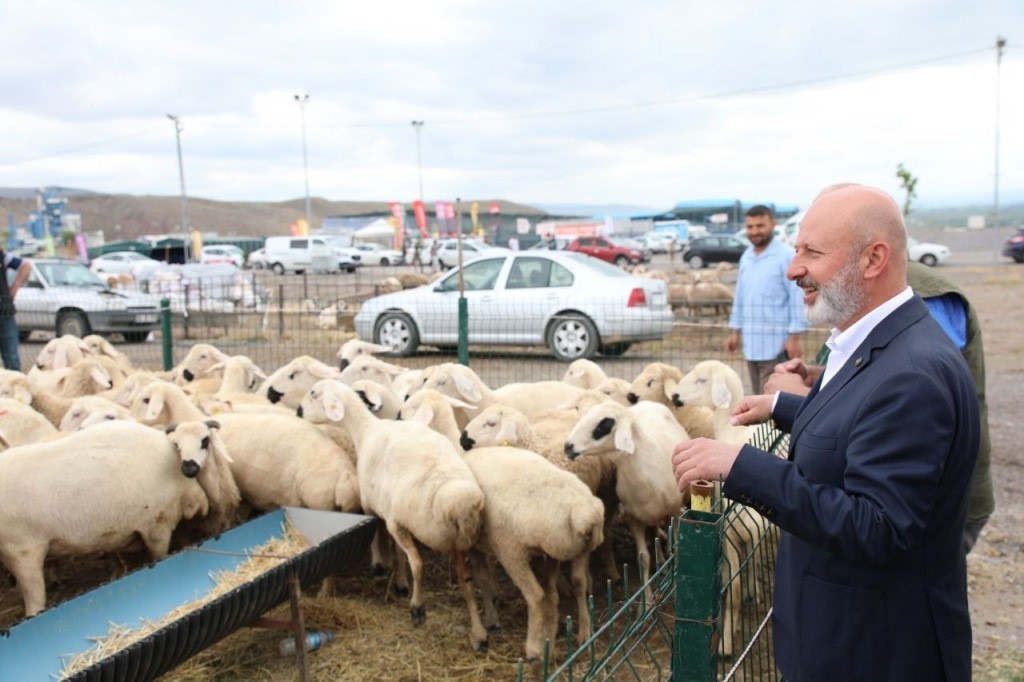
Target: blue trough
<point x="39" y="648"/>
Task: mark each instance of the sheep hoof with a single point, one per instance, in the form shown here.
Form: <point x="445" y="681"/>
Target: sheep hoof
<point x="494" y="628"/>
<point x="419" y="614"/>
<point x="401" y="591"/>
<point x="483" y="646"/>
<point x="379" y="571"/>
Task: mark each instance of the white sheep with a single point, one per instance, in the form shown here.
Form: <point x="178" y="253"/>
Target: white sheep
<point x="53" y="391"/>
<point x="99" y="346"/>
<point x="288" y="384"/>
<point x="89" y="470"/>
<point x="88" y="410"/>
<point x="584" y="373"/>
<point x="370" y="368"/>
<point x="416" y="481"/>
<point x="617" y="390"/>
<point x="21" y="425"/>
<point x="356" y="347"/>
<point x="532" y="510"/>
<point x="640" y="440"/>
<point x="16" y="386"/>
<point x="461" y="382"/>
<point x="380" y="399"/>
<point x="656" y="383"/>
<point x="501" y="425"/>
<point x="60" y="352"/>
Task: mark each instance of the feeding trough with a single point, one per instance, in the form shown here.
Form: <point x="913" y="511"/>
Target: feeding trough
<point x="40" y="647"/>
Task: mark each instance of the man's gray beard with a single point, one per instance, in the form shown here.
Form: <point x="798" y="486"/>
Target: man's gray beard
<point x="838" y="300"/>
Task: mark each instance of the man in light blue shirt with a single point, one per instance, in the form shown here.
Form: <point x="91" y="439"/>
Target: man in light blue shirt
<point x="767" y="311"/>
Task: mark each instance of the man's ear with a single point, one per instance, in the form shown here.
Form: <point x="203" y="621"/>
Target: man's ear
<point x="875" y="258"/>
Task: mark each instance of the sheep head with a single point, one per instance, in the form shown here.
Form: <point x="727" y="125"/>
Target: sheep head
<point x="710" y="383"/>
<point x="607" y="427"/>
<point x="196" y="441"/>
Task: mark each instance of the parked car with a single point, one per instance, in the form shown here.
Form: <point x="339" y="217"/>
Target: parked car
<point x="551" y="244"/>
<point x="222" y="253"/>
<point x="927" y="253"/>
<point x="1014" y="247"/>
<point x="703" y="251"/>
<point x="575" y="305"/>
<point x="121" y="263"/>
<point x="299" y="254"/>
<point x="448" y="252"/>
<point x="375" y="254"/>
<point x="658" y="242"/>
<point x="257" y="259"/>
<point x="609" y="250"/>
<point x="65" y="297"/>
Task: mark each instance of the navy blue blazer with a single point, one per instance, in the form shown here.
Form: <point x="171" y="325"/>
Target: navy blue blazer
<point x="871" y="576"/>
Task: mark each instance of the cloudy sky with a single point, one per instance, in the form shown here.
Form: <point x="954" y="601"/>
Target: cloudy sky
<point x="644" y="103"/>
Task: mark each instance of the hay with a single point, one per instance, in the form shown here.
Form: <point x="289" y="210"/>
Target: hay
<point x="261" y="559"/>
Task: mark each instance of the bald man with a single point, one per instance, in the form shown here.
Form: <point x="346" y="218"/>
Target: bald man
<point x="870" y="579"/>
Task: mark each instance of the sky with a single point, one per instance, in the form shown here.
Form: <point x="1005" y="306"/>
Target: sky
<point x="645" y="103"/>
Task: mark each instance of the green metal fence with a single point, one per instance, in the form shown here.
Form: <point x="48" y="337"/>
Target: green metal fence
<point x="709" y="615"/>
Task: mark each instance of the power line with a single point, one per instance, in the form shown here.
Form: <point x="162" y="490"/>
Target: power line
<point x="90" y="145"/>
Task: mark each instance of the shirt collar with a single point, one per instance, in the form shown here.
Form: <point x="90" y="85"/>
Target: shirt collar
<point x="847" y="341"/>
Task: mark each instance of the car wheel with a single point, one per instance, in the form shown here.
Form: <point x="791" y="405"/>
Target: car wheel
<point x="571" y="337"/>
<point x="350" y="269"/>
<point x="74" y="323"/>
<point x="135" y="337"/>
<point x="385" y="261"/>
<point x="398" y="332"/>
<point x="695" y="262"/>
<point x="621" y="261"/>
<point x="278" y="268"/>
<point x="929" y="260"/>
<point x="1018" y="258"/>
<point x="615" y="349"/>
<point x="23" y="336"/>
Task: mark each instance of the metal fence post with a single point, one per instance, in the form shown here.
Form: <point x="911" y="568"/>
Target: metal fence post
<point x="280" y="310"/>
<point x="698" y="576"/>
<point x="165" y="333"/>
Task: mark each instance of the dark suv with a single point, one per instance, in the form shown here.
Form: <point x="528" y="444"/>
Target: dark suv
<point x="609" y="250"/>
<point x="1015" y="246"/>
<point x="713" y="249"/>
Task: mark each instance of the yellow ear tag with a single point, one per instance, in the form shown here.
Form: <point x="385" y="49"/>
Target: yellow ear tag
<point x="505" y="443"/>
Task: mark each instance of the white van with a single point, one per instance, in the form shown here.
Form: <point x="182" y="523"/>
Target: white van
<point x="298" y="254"/>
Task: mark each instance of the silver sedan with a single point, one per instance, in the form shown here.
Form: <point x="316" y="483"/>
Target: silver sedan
<point x="575" y="305"/>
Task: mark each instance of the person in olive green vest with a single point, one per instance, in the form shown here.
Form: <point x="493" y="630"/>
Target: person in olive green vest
<point x="957" y="317"/>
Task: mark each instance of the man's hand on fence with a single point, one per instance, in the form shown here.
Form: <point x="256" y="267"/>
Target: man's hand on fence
<point x="753" y="409"/>
<point x="702" y="459"/>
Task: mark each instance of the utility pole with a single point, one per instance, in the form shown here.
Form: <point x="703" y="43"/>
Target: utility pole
<point x="417" y="126"/>
<point x="1000" y="44"/>
<point x="302" y="100"/>
<point x="184" y="196"/>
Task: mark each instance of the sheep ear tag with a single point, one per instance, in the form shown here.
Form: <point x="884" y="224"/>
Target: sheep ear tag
<point x="334" y="409"/>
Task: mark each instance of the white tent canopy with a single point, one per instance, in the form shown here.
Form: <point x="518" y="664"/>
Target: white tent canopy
<point x="379" y="231"/>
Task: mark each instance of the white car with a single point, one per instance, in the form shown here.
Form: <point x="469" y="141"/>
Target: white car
<point x="575" y="305"/>
<point x="257" y="259"/>
<point x="64" y="297"/>
<point x="927" y="253"/>
<point x="448" y="253"/>
<point x="121" y="263"/>
<point x="222" y="253"/>
<point x="375" y="254"/>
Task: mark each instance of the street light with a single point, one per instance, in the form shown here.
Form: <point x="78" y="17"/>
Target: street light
<point x="301" y="100"/>
<point x="181" y="175"/>
<point x="1000" y="44"/>
<point x="417" y="125"/>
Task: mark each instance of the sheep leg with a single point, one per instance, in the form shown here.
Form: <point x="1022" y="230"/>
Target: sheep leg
<point x="517" y="566"/>
<point x="157" y="541"/>
<point x="477" y="632"/>
<point x="639" y="531"/>
<point x="380" y="552"/>
<point x="26" y="565"/>
<point x="407" y="543"/>
<point x="483" y="572"/>
<point x="550" y="577"/>
<point x="581" y="587"/>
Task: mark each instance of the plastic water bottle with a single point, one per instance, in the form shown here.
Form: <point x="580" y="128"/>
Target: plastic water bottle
<point x="314" y="640"/>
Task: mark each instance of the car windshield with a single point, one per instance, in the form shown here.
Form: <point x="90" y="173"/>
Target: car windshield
<point x="69" y="275"/>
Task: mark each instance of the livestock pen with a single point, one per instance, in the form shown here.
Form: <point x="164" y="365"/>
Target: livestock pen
<point x="697" y="591"/>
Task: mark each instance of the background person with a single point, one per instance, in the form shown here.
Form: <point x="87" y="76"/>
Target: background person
<point x="767" y="314"/>
<point x="954" y="313"/>
<point x="870" y="582"/>
<point x="8" y="324"/>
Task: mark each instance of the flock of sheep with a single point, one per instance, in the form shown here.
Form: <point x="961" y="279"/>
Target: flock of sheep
<point x="100" y="456"/>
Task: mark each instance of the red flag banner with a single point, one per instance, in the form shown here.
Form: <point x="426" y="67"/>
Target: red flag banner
<point x="420" y="212"/>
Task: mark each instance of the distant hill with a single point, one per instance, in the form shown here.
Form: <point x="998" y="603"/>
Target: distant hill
<point x="123" y="216"/>
<point x="588" y="210"/>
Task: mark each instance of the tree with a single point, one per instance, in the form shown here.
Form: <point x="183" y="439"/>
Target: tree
<point x="908" y="182"/>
